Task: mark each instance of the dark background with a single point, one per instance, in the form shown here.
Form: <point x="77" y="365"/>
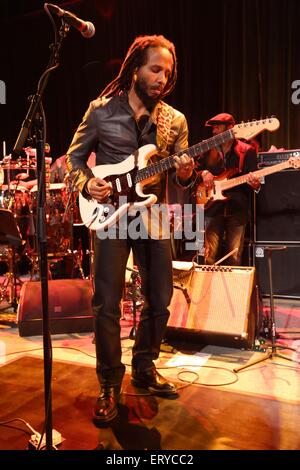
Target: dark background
<point x="238" y="56"/>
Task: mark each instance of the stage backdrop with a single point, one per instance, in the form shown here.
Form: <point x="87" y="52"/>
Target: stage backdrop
<point x="240" y="56"/>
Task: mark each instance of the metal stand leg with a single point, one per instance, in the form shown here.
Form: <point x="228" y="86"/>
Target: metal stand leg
<point x="270" y="354"/>
<point x="132" y="291"/>
<point x="273" y="326"/>
<point x="77" y="262"/>
<point x="132" y="333"/>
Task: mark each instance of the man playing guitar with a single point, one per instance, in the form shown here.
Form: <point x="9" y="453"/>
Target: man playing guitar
<point x="226" y="220"/>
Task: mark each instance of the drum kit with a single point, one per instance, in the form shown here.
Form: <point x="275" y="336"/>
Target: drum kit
<point x="19" y="200"/>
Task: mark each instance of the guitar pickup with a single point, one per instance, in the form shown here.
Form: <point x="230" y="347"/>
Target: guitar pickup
<point x="129" y="180"/>
<point x="118" y="185"/>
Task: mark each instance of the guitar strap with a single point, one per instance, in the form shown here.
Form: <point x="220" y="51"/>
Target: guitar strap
<point x="241" y="149"/>
<point x="162" y="117"/>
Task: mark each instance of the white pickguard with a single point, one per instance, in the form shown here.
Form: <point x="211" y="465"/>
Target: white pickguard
<point x="98" y="216"/>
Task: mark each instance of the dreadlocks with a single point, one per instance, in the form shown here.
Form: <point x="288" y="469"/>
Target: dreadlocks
<point x="135" y="58"/>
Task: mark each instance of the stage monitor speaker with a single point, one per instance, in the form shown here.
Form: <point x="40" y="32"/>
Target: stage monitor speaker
<point x="70" y="309"/>
<point x="278" y="208"/>
<point x="217" y="305"/>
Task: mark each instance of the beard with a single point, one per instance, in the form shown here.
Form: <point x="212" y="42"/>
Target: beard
<point x="140" y="87"/>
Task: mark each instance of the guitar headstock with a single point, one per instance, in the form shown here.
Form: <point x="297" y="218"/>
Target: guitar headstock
<point x="247" y="130"/>
<point x="294" y="162"/>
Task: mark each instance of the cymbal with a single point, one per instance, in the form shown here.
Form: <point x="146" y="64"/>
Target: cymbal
<point x="13" y="187"/>
<point x="31" y="152"/>
<point x="18" y="166"/>
<point x="57" y="186"/>
<point x="21" y="163"/>
<point x="22" y="176"/>
<point x="50" y="187"/>
<point x="29" y="184"/>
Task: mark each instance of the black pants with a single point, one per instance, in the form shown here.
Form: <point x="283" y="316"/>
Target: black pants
<point x="154" y="261"/>
<point x="227" y="229"/>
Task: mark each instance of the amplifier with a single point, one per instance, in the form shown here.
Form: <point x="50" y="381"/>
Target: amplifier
<point x="271" y="158"/>
<point x="277" y="209"/>
<point x="217" y="304"/>
<point x="285" y="271"/>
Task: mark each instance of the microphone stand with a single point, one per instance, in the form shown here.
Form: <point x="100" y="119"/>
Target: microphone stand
<point x="35" y="106"/>
<point x="272" y="352"/>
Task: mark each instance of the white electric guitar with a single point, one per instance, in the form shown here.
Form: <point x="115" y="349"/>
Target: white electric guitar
<point x="128" y="178"/>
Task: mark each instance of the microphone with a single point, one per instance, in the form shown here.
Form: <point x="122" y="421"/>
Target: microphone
<point x="86" y="28"/>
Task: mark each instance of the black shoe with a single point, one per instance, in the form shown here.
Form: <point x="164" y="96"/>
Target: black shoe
<point x="153" y="381"/>
<point x="106" y="407"/>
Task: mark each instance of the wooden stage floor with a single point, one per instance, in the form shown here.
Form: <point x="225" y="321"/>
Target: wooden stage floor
<point x="256" y="409"/>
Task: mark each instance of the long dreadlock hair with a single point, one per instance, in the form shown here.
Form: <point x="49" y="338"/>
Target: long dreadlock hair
<point x="135" y="58"/>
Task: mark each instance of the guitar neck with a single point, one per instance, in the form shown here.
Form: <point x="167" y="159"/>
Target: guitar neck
<point x="168" y="162"/>
<point x="258" y="173"/>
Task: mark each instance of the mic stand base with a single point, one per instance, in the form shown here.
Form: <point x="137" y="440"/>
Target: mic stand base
<point x="268" y="355"/>
<point x="33" y="443"/>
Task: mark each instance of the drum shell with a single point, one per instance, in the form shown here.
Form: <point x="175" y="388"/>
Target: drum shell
<point x="57" y="221"/>
<point x="18" y="201"/>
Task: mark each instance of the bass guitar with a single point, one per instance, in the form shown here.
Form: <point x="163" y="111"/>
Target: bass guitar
<point x="208" y="196"/>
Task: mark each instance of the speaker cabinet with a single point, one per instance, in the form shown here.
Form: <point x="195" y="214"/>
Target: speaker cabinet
<point x="69" y="307"/>
<point x="217" y="304"/>
<point x="285" y="271"/>
<point x="278" y="208"/>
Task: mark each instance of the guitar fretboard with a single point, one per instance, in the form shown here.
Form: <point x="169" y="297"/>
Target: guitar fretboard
<point x="194" y="151"/>
<point x="227" y="184"/>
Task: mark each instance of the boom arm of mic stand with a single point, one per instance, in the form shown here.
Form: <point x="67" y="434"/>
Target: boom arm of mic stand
<point x="27" y="123"/>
